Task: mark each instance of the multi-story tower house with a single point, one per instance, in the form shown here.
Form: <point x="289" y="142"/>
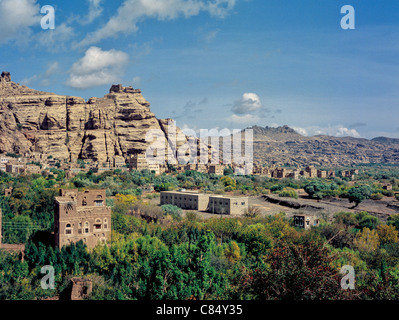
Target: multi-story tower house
<point x="81" y="216"/>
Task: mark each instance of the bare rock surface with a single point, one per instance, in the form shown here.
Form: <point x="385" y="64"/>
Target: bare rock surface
<point x="71" y="128"/>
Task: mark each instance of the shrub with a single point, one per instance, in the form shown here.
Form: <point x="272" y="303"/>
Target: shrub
<point x="387" y="234"/>
<point x="276" y="187"/>
<point x="366" y="220"/>
<point x="289" y="192"/>
<point x="376" y="196"/>
<point x="388" y="193"/>
<point x="12" y="155"/>
<point x="252" y="212"/>
<point x="318" y="189"/>
<point x="174" y="211"/>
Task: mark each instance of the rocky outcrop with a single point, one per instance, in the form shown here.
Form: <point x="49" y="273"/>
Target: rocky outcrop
<point x="67" y="127"/>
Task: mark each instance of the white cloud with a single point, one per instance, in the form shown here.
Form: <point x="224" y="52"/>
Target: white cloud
<point x="247" y="110"/>
<point x="221" y="7"/>
<point x="16" y="18"/>
<point x="43" y="79"/>
<point x="301" y="131"/>
<point x="248" y="103"/>
<point x="335" y="131"/>
<point x="210" y="36"/>
<point x="56" y="40"/>
<point x="52" y="68"/>
<point x="244" y="119"/>
<point x="95" y="10"/>
<point x="131" y="12"/>
<point x="97" y="67"/>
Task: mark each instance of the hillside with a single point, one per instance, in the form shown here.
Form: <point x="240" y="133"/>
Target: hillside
<point x="284" y="146"/>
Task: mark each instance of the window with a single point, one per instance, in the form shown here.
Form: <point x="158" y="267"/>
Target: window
<point x="98" y="203"/>
<point x="105" y="223"/>
<point x="68" y="229"/>
<point x="68" y="208"/>
<point x="86" y="227"/>
<point x="97" y="225"/>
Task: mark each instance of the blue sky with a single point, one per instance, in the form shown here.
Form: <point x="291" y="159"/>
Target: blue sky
<point x="218" y="63"/>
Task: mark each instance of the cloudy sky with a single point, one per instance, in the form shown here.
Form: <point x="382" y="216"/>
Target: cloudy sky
<point x="218" y="63"/>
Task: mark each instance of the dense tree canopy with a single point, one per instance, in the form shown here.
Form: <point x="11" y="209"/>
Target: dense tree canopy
<point x="183" y="256"/>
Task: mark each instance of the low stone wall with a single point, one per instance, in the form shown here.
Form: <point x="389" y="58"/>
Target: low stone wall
<point x="290" y="203"/>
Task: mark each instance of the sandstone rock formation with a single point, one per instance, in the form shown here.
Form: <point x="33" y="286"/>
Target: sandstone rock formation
<point x="70" y="128"/>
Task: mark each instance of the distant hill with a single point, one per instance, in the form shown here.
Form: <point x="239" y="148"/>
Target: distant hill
<point x="386" y="140"/>
<point x="284" y="146"/>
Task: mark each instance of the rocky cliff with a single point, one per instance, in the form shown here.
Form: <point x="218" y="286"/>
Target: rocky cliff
<point x="71" y="128"/>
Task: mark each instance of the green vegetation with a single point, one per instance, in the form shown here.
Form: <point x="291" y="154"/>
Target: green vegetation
<point x="359" y="193"/>
<point x="164" y="253"/>
<point x="288" y="192"/>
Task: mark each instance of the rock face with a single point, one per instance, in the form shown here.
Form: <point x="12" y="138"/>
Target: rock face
<point x="66" y="127"/>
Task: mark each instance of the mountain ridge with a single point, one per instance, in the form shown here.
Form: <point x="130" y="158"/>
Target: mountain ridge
<point x="284" y="146"/>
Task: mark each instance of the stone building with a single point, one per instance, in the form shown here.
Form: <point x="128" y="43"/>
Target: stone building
<point x="294" y="174"/>
<point x="185" y="200"/>
<point x="81" y="216"/>
<point x="154" y="167"/>
<point x="217" y="169"/>
<point x="305" y="221"/>
<point x="15" y="168"/>
<point x="278" y="173"/>
<point x="312" y="171"/>
<point x="138" y="161"/>
<point x="8" y="192"/>
<point x="205" y="202"/>
<point x="81" y="288"/>
<point x="190" y="166"/>
<point x="227" y="205"/>
<point x="321" y="174"/>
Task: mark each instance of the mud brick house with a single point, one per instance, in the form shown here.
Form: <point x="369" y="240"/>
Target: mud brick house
<point x="81" y="216"/>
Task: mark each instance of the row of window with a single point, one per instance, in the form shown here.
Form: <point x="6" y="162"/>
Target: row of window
<point x="178" y="198"/>
<point x="103" y="240"/>
<point x="97" y="203"/>
<point x="96" y="226"/>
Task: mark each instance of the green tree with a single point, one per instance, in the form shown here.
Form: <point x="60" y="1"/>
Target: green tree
<point x="318" y="189"/>
<point x="359" y="193"/>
